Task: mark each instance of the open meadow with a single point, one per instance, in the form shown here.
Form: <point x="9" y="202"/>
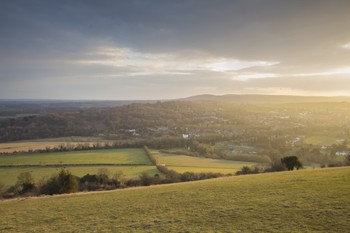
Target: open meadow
<point x="42" y="144"/>
<point x="184" y="163"/>
<point x="105" y="156"/>
<point x="321" y="140"/>
<point x="299" y="201"/>
<point x="132" y="162"/>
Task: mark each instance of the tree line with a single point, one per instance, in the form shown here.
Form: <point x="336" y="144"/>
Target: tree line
<point x="65" y="182"/>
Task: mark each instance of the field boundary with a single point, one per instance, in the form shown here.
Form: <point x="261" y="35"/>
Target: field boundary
<point x="72" y="165"/>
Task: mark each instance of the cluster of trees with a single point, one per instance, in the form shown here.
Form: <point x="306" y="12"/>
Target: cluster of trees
<point x="286" y="163"/>
<point x="211" y="151"/>
<point x="65" y="182"/>
<point x="242" y="123"/>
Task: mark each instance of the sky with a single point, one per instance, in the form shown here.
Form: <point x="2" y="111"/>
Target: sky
<point x="165" y="49"/>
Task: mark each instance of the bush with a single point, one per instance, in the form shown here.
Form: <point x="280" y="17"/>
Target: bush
<point x="188" y="176"/>
<point x="292" y="162"/>
<point x="276" y="166"/>
<point x="250" y="170"/>
<point x="2" y="189"/>
<point x="118" y="179"/>
<point x="132" y="183"/>
<point x="25" y="183"/>
<point x="63" y="182"/>
<point x="103" y="176"/>
<point x="89" y="182"/>
<point x="146" y="179"/>
<point x="338" y="164"/>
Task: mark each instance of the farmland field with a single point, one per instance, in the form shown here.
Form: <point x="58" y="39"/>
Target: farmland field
<point x="37" y="144"/>
<point x="299" y="201"/>
<point x="107" y="156"/>
<point x="321" y="140"/>
<point x="132" y="162"/>
<point x="184" y="163"/>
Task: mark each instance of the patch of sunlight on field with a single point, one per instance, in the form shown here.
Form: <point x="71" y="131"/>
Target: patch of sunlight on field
<point x="321" y="140"/>
<point x="297" y="201"/>
<point x="190" y="163"/>
<point x="185" y="160"/>
<point x="26" y="146"/>
<point x="42" y="144"/>
<point x="8" y="176"/>
<point x="69" y="139"/>
<point x="106" y="156"/>
<point x="204" y="169"/>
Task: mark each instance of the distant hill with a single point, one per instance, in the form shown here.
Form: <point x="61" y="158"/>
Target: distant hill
<point x="277" y="99"/>
<point x="28" y="106"/>
<point x="70" y="103"/>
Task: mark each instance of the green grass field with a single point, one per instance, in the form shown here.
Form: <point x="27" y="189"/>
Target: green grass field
<point x="299" y="201"/>
<point x="107" y="156"/>
<point x="123" y="157"/>
<point x="321" y="140"/>
<point x="37" y="144"/>
<point x="68" y="139"/>
<point x="184" y="163"/>
<point x="28" y="145"/>
<point x="8" y="176"/>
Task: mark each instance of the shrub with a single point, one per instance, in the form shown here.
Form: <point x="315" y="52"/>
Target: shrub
<point x="347" y="161"/>
<point x="103" y="176"/>
<point x="337" y="164"/>
<point x="63" y="182"/>
<point x="118" y="179"/>
<point x="25" y="183"/>
<point x="188" y="176"/>
<point x="146" y="179"/>
<point x="250" y="170"/>
<point x="89" y="182"/>
<point x="133" y="183"/>
<point x="2" y="189"/>
<point x="292" y="162"/>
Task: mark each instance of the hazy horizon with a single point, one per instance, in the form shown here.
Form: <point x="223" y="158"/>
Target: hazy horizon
<point x="166" y="99"/>
<point x="158" y="50"/>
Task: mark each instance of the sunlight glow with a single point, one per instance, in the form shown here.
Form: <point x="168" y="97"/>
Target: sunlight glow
<point x="339" y="71"/>
<point x="247" y="76"/>
<point x="227" y="65"/>
<point x="135" y="63"/>
<point x="346" y="46"/>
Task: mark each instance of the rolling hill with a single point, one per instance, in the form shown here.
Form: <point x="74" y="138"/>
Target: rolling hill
<point x="271" y="99"/>
<point x="299" y="201"/>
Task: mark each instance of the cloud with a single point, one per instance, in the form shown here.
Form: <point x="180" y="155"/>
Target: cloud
<point x="141" y="49"/>
<point x="346" y="46"/>
<point x="244" y="76"/>
<point x="133" y="63"/>
<point x="338" y="71"/>
<point x="247" y="76"/>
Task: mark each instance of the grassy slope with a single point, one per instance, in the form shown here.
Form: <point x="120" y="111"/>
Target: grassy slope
<point x="183" y="163"/>
<point x="299" y="201"/>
